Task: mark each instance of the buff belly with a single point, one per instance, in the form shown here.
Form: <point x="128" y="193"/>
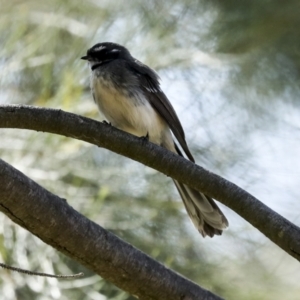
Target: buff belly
<point x="133" y="114"/>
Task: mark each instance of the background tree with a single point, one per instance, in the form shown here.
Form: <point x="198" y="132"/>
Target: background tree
<point x="231" y="70"/>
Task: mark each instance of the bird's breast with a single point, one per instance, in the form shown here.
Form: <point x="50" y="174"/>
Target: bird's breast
<point x="128" y="110"/>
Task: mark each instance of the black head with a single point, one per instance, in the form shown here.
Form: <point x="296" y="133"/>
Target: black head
<point x="105" y="52"/>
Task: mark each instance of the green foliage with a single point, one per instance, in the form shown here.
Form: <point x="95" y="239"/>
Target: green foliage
<point x="264" y="36"/>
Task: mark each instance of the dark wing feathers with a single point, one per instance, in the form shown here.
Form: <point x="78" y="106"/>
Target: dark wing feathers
<point x="149" y="82"/>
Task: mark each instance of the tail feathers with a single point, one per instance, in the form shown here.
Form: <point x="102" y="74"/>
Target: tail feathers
<point x="203" y="211"/>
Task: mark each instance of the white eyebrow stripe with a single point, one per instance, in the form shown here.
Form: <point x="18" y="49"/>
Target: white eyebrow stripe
<point x="115" y="50"/>
<point x="100" y="48"/>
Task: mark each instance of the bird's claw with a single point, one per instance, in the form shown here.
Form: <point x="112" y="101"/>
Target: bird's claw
<point x="106" y="123"/>
<point x="145" y="138"/>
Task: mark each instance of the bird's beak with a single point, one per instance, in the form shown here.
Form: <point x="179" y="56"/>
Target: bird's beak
<point x="85" y="57"/>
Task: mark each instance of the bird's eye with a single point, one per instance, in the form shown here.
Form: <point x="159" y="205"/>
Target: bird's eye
<point x="115" y="50"/>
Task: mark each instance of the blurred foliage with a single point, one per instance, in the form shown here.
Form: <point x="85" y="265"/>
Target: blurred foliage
<point x="264" y="36"/>
<point x="224" y="64"/>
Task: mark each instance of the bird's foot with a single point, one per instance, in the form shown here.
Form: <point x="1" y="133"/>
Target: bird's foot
<point x="106" y="123"/>
<point x="145" y="138"/>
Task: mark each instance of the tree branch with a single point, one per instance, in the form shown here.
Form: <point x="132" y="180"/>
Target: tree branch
<point x="56" y="223"/>
<point x="278" y="229"/>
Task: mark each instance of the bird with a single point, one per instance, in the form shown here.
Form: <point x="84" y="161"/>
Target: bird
<point x="128" y="94"/>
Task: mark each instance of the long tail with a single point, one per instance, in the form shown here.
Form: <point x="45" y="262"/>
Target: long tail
<point x="203" y="211"/>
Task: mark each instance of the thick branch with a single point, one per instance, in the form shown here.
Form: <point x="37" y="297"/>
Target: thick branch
<point x="59" y="225"/>
<point x="282" y="232"/>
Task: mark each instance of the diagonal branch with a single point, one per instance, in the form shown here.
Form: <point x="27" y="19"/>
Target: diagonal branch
<point x="56" y="223"/>
<point x="278" y="229"/>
